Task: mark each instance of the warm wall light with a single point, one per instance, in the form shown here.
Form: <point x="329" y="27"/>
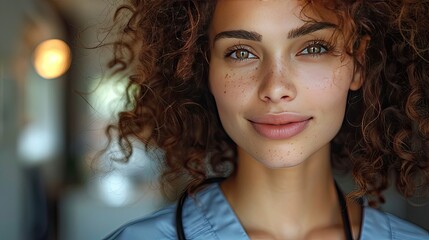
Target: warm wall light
<point x="52" y="58"/>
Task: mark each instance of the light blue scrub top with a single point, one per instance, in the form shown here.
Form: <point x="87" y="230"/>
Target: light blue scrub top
<point x="208" y="216"/>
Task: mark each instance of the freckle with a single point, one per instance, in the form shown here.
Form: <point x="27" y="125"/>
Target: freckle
<point x="226" y="76"/>
<point x="300" y="153"/>
<point x="224" y="91"/>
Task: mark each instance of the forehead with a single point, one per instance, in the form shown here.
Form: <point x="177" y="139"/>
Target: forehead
<point x="260" y="13"/>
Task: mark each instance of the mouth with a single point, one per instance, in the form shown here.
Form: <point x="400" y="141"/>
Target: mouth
<point x="281" y="126"/>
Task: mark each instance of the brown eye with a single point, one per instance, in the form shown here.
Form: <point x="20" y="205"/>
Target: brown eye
<point x="240" y="54"/>
<point x="314" y="49"/>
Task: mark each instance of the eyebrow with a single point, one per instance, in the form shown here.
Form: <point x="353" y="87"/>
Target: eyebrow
<point x="294" y="33"/>
<point x="308" y="28"/>
<point x="241" y="34"/>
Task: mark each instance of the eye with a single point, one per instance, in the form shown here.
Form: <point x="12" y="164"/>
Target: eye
<point x="314" y="49"/>
<point x="240" y="54"/>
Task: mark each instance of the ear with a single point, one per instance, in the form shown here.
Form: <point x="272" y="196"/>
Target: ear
<point x="357" y="79"/>
<point x="360" y="57"/>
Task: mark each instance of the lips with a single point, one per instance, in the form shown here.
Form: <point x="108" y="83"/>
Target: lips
<point x="279" y="126"/>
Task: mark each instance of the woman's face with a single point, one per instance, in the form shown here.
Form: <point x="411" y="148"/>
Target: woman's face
<point x="280" y="86"/>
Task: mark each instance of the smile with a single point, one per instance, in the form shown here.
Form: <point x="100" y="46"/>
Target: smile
<point x="280" y="127"/>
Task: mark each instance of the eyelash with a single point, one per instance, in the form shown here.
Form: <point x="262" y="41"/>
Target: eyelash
<point x="316" y="43"/>
<point x="230" y="51"/>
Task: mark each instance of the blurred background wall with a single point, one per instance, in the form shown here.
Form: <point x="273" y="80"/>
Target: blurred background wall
<point x="55" y="102"/>
<point x="54" y="106"/>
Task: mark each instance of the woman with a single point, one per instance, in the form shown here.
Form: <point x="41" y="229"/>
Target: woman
<point x="272" y="95"/>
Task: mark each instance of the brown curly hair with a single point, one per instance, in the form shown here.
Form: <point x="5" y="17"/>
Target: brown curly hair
<point x="164" y="45"/>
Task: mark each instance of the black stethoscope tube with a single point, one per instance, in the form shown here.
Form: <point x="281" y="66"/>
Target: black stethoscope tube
<point x="179" y="224"/>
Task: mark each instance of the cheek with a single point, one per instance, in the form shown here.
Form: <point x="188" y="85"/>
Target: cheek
<point x="325" y="81"/>
<point x="231" y="86"/>
<point x="326" y="91"/>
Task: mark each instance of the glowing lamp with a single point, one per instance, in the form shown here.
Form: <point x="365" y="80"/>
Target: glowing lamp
<point x="52" y="58"/>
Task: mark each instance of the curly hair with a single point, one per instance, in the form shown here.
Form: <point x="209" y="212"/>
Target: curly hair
<point x="386" y="129"/>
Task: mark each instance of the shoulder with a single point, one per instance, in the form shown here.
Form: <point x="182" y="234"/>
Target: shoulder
<point x="162" y="224"/>
<point x="381" y="225"/>
<point x="158" y="225"/>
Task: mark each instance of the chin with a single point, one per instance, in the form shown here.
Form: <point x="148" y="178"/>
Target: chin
<point x="280" y="162"/>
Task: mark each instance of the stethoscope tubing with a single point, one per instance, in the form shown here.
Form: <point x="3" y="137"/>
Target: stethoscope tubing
<point x="179" y="210"/>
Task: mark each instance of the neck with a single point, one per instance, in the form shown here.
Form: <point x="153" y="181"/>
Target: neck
<point x="284" y="203"/>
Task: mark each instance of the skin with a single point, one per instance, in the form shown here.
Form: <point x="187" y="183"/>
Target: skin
<point x="272" y="73"/>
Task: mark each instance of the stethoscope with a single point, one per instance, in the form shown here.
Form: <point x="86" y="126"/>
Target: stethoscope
<point x="179" y="223"/>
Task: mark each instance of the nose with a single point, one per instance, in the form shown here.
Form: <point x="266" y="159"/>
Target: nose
<point x="277" y="85"/>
